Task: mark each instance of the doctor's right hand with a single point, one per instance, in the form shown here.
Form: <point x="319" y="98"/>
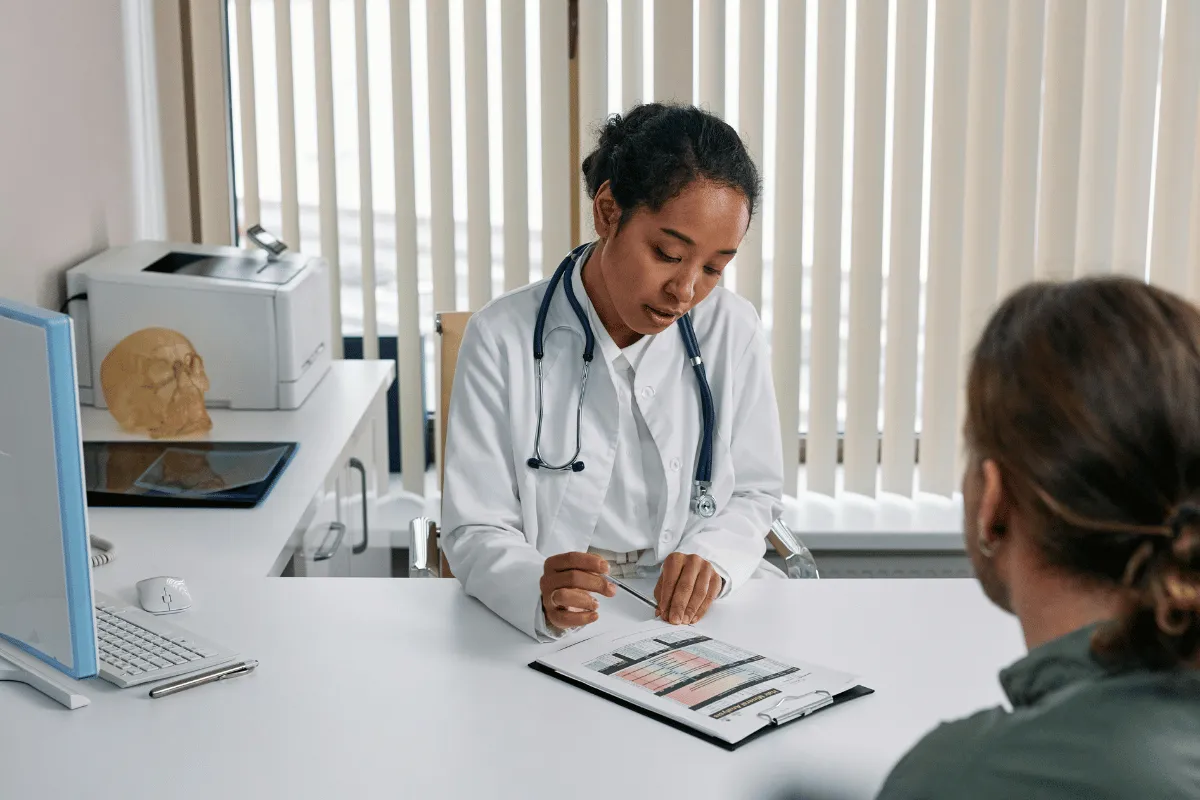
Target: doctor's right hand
<point x="567" y="584"/>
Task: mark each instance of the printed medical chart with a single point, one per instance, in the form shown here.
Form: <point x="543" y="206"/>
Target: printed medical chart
<point x="685" y="674"/>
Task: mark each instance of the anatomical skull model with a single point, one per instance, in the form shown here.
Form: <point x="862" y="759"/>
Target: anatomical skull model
<point x="154" y="382"/>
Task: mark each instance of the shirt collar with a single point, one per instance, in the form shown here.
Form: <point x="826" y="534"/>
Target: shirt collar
<point x="1052" y="666"/>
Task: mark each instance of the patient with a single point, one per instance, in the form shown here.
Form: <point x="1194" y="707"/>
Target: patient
<point x="1082" y="503"/>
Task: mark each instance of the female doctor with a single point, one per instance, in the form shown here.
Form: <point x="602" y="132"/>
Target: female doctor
<point x="580" y="441"/>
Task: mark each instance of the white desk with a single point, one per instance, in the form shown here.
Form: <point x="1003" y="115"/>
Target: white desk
<point x="407" y="688"/>
<point x="390" y="688"/>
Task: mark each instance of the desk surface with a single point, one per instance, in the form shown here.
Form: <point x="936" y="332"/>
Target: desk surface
<point x="407" y="688"/>
<point x="234" y="542"/>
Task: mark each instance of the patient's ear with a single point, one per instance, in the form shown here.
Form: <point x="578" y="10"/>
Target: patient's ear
<point x="995" y="508"/>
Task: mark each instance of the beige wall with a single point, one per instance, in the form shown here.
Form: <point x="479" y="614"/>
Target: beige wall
<point x="65" y="172"/>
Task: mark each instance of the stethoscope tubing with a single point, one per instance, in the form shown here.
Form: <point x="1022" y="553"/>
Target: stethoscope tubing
<point x="702" y="501"/>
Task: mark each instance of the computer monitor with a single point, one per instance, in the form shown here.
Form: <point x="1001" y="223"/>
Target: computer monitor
<point x="47" y="621"/>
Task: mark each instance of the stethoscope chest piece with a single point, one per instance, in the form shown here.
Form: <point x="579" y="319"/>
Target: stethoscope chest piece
<point x="703" y="504"/>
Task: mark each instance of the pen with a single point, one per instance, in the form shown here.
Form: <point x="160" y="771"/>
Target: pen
<point x="647" y="600"/>
<point x="208" y="676"/>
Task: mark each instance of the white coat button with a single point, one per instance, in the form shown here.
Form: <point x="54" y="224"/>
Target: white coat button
<point x="666" y="537"/>
<point x="647" y="392"/>
<point x="675" y="464"/>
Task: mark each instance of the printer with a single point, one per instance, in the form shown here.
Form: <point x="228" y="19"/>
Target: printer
<point x="260" y="319"/>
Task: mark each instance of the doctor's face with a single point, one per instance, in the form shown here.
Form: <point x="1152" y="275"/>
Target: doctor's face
<point x="659" y="265"/>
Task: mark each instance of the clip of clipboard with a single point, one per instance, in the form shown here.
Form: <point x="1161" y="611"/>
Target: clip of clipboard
<point x="823" y="699"/>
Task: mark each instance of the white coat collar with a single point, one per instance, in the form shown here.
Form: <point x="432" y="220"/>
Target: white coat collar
<point x="560" y="314"/>
<point x="663" y="368"/>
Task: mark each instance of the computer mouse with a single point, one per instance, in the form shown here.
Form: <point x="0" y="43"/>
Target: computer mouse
<point x="163" y="595"/>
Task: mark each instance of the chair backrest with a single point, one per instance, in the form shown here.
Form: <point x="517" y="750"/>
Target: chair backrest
<point x="450" y="327"/>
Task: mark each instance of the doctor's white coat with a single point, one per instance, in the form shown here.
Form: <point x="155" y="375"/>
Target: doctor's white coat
<point x="501" y="519"/>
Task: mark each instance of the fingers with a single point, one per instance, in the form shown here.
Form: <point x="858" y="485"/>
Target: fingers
<point x="585" y="562"/>
<point x="571" y="600"/>
<point x="715" y="585"/>
<point x="569" y="608"/>
<point x="563" y="619"/>
<point x="664" y="590"/>
<point x="575" y="579"/>
<point x="568" y="583"/>
<point x="688" y="578"/>
<point x="687" y="588"/>
<point x="703" y="586"/>
<point x="567" y="571"/>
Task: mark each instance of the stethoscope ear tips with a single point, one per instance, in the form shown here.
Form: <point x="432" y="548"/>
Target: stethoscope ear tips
<point x="534" y="463"/>
<point x="577" y="466"/>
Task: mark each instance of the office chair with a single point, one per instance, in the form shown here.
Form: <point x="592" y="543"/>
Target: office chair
<point x="425" y="558"/>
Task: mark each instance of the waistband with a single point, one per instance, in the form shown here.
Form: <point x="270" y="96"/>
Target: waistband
<point x="620" y="565"/>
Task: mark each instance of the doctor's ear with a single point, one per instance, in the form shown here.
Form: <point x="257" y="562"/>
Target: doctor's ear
<point x="606" y="214"/>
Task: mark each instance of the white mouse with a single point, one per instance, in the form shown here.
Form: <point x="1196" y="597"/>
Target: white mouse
<point x="163" y="595"/>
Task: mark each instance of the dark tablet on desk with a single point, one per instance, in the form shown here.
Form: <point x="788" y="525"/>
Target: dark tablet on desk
<point x="183" y="474"/>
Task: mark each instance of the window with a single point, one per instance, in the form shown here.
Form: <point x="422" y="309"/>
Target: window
<point x="934" y="162"/>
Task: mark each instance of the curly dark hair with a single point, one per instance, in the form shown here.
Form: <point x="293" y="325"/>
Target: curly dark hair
<point x="655" y="151"/>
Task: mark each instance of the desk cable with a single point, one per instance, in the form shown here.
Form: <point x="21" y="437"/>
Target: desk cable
<point x="107" y="554"/>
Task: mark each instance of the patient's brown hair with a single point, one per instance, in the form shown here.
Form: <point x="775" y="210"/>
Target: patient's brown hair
<point x="1087" y="396"/>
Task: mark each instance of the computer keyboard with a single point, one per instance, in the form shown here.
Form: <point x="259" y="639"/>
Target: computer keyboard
<point x="136" y="647"/>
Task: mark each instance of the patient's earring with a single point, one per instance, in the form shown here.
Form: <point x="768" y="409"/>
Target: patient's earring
<point x="988" y="548"/>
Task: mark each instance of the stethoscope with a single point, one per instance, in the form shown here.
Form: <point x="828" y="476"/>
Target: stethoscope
<point x="703" y="503"/>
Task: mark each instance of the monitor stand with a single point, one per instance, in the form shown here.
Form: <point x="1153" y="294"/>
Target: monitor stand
<point x="19" y="667"/>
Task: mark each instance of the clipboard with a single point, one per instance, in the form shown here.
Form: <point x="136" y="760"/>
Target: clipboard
<point x="789" y="709"/>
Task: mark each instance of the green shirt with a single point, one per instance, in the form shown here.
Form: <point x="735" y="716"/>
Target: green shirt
<point x="1077" y="729"/>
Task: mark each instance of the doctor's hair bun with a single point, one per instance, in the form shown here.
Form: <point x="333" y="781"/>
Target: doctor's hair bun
<point x="654" y="151"/>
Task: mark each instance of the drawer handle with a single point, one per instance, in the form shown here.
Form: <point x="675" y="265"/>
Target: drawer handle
<point x="359" y="549"/>
<point x="338" y="532"/>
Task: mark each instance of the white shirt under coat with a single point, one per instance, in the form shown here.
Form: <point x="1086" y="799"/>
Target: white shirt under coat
<point x="502" y="519"/>
<point x="629" y="516"/>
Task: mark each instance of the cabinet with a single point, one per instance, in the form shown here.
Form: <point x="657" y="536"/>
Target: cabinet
<point x="345" y="418"/>
<point x="338" y="537"/>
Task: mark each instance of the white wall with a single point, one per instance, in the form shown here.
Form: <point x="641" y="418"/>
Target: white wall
<point x="65" y="175"/>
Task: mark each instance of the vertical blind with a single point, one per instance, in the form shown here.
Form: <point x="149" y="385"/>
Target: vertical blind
<point x="922" y="158"/>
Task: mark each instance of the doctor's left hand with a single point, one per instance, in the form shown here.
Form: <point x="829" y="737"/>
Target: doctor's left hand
<point x="687" y="587"/>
